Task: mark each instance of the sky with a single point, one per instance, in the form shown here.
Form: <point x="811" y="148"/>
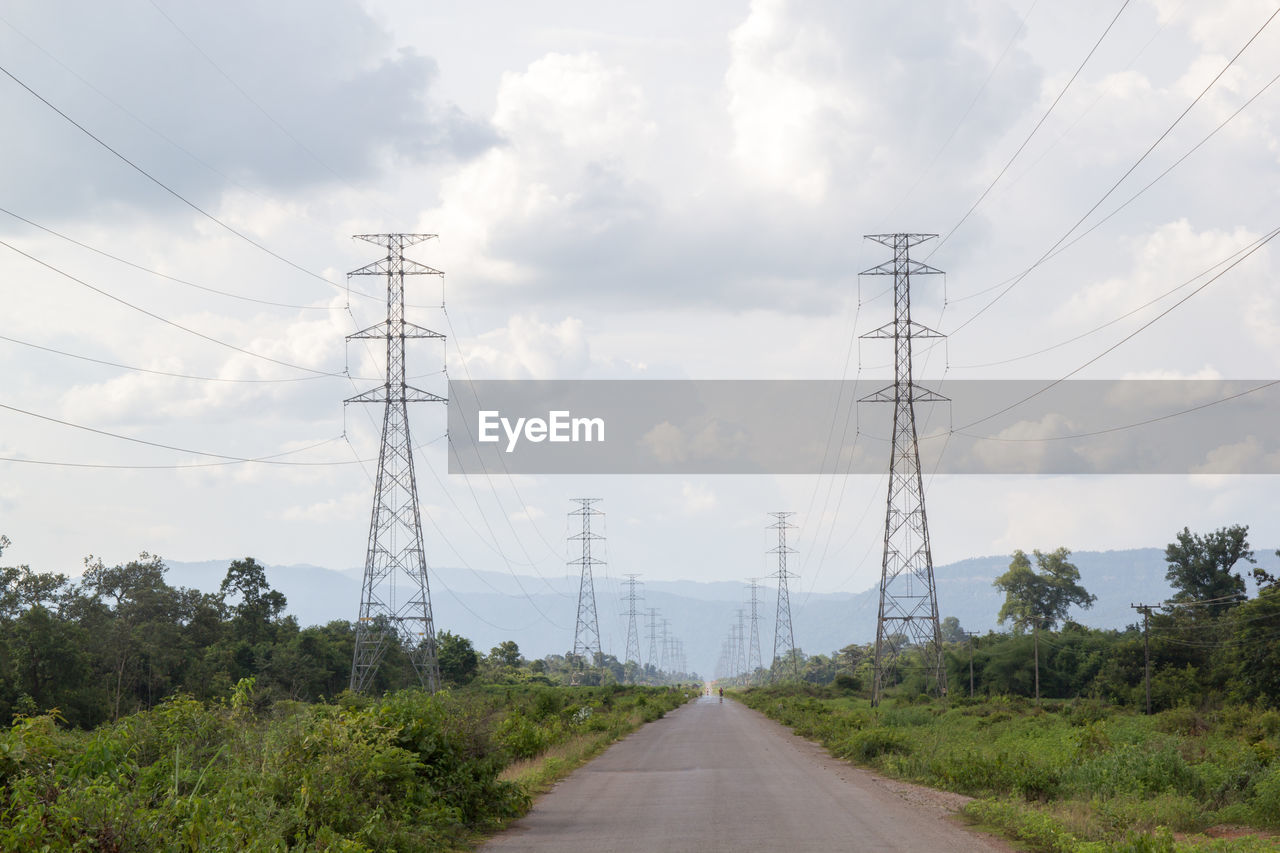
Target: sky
<point x="620" y="191"/>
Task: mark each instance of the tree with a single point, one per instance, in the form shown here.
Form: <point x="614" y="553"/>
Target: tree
<point x="457" y="657"/>
<point x="951" y="631"/>
<point x="506" y="653"/>
<point x="258" y="604"/>
<point x="1201" y="568"/>
<point x="1040" y="597"/>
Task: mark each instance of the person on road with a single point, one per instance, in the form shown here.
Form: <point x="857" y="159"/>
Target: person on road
<point x="722" y="695"/>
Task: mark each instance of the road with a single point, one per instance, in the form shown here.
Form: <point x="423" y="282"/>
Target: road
<point x="721" y="777"/>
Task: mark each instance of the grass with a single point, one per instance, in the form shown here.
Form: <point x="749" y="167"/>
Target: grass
<point x="1065" y="775"/>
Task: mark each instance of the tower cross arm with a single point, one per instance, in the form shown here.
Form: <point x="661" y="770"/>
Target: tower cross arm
<point x="383" y="330"/>
<point x="381" y="394"/>
<point x="918" y="394"/>
<point x="388" y="266"/>
<point x="912" y="330"/>
<point x="895" y="267"/>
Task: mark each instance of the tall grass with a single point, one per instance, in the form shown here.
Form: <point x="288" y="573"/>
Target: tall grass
<point x="1068" y="774"/>
<point x="407" y="772"/>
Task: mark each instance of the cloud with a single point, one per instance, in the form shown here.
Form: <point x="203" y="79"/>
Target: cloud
<point x="302" y="95"/>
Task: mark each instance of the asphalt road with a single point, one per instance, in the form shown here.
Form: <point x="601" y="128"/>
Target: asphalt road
<point x="721" y="777"/>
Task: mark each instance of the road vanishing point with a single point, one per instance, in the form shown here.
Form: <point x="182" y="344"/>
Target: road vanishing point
<point x="714" y="776"/>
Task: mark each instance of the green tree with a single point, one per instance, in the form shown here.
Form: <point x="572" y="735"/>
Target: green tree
<point x="136" y="618"/>
<point x="951" y="631"/>
<point x="1041" y="597"/>
<point x="257" y="604"/>
<point x="458" y="659"/>
<point x="1202" y="568"/>
<point x="506" y="653"/>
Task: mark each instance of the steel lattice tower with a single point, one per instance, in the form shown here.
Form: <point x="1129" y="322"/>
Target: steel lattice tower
<point x="633" y="631"/>
<point x="754" y="662"/>
<point x="908" y="598"/>
<point x="653" y="638"/>
<point x="586" y="633"/>
<point x="741" y="661"/>
<point x="664" y="660"/>
<point x="784" y="640"/>
<point x="395" y="599"/>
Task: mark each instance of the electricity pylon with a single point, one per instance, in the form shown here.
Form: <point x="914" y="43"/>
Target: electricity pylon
<point x="633" y="632"/>
<point x="586" y="633"/>
<point x="754" y="663"/>
<point x="664" y="659"/>
<point x="653" y="638"/>
<point x="741" y="661"/>
<point x="908" y="597"/>
<point x="395" y="599"/>
<point x="784" y="640"/>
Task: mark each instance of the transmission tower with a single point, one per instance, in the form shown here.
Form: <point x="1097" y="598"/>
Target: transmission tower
<point x="754" y="662"/>
<point x="653" y="638"/>
<point x="908" y="598"/>
<point x="586" y="633"/>
<point x="633" y="632"/>
<point x="731" y="654"/>
<point x="664" y="660"/>
<point x="784" y="641"/>
<point x="395" y="600"/>
<point x="741" y="660"/>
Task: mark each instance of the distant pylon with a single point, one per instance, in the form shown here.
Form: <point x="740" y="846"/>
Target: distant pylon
<point x="633" y="632"/>
<point x="784" y="640"/>
<point x="586" y="633"/>
<point x="731" y="653"/>
<point x="741" y="660"/>
<point x="395" y="599"/>
<point x="754" y="663"/>
<point x="908" y="598"/>
<point x="664" y="652"/>
<point x="653" y="638"/>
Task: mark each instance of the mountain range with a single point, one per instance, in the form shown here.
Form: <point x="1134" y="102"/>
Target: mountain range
<point x="539" y="612"/>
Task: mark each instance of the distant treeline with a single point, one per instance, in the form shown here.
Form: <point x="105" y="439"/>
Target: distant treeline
<point x="120" y="639"/>
<point x="1207" y="645"/>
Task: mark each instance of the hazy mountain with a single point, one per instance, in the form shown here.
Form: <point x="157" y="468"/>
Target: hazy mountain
<point x="539" y="612"/>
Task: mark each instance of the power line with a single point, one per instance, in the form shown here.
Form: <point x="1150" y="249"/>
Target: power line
<point x="166" y="276"/>
<point x="1042" y="120"/>
<point x="1112" y="321"/>
<point x="161" y="445"/>
<point x="1270" y="236"/>
<point x="1193" y="149"/>
<point x="279" y="126"/>
<point x="153" y="372"/>
<point x="270" y="459"/>
<point x="165" y="320"/>
<point x="1018" y="280"/>
<point x="162" y="185"/>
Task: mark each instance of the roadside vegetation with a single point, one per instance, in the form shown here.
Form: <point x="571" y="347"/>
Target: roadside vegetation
<point x="1053" y="737"/>
<point x="405" y="772"/>
<point x="145" y="717"/>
